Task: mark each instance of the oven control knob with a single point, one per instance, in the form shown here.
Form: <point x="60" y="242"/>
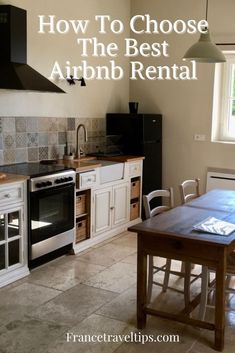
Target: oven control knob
<point x="70" y="178"/>
<point x="44" y="184"/>
<point x="39" y="185"/>
<point x="57" y="181"/>
<point x="48" y="183"/>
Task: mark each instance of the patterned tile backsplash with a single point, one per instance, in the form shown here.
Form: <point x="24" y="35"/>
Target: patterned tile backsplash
<point x="32" y="139"/>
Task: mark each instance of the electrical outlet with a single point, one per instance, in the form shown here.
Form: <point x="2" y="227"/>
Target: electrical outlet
<point x="199" y="137"/>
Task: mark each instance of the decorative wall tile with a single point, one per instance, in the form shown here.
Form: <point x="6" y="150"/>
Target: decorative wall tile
<point x="52" y="124"/>
<point x="43" y="138"/>
<point x="32" y="124"/>
<point x="21" y="155"/>
<point x="52" y="138"/>
<point x="9" y="125"/>
<point x="32" y="154"/>
<point x="88" y="124"/>
<point x="32" y="139"/>
<point x="95" y="124"/>
<point x="62" y="124"/>
<point x="43" y="124"/>
<point x="21" y="140"/>
<point x="9" y="156"/>
<point x="1" y="158"/>
<point x="43" y="153"/>
<point x="71" y="137"/>
<point x="20" y="124"/>
<point x="52" y="152"/>
<point x="60" y="151"/>
<point x="71" y="124"/>
<point x="8" y="141"/>
<point x="62" y="138"/>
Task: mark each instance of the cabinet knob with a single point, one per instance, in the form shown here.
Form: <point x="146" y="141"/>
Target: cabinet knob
<point x="7" y="196"/>
<point x="112" y="208"/>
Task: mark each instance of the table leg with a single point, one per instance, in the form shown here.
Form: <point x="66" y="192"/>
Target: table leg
<point x="220" y="302"/>
<point x="141" y="284"/>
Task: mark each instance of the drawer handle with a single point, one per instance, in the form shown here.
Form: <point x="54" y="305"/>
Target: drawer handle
<point x="7" y="196"/>
<point x="89" y="179"/>
<point x="79" y="199"/>
<point x="79" y="225"/>
<point x="133" y="184"/>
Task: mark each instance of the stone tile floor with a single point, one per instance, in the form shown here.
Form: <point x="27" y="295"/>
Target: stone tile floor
<point x="91" y="294"/>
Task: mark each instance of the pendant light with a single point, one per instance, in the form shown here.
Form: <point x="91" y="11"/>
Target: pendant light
<point x="204" y="51"/>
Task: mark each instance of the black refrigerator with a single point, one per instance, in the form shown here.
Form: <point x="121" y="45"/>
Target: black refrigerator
<point x="140" y="135"/>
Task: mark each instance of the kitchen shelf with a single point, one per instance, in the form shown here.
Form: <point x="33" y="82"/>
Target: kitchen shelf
<point x="83" y="211"/>
<point x="135" y="197"/>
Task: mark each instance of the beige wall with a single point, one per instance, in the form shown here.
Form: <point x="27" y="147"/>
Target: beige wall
<point x="92" y="101"/>
<point x="186" y="106"/>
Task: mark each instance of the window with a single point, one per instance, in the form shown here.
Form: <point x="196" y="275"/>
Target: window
<point x="223" y="125"/>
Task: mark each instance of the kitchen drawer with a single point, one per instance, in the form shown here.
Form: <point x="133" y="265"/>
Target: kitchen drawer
<point x="80" y="204"/>
<point x="87" y="179"/>
<point x="11" y="195"/>
<point x="81" y="230"/>
<point x="135" y="189"/>
<point x="134" y="210"/>
<point x="135" y="169"/>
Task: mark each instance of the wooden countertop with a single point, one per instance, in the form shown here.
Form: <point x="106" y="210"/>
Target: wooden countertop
<point x="83" y="166"/>
<point x="123" y="159"/>
<point x="12" y="178"/>
<point x="79" y="166"/>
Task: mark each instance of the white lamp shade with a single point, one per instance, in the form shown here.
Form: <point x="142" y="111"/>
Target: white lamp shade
<point x="204" y="51"/>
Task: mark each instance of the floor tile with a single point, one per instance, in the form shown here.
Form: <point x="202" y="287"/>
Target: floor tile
<point x="115" y="278"/>
<point x="127" y="239"/>
<point x="122" y="308"/>
<point x="131" y="259"/>
<point x="28" y="336"/>
<point x="74" y="305"/>
<point x="22" y="299"/>
<point x="62" y="275"/>
<point x="107" y="255"/>
<point x="94" y="325"/>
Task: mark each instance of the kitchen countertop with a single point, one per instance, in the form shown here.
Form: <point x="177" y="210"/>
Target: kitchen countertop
<point x="12" y="178"/>
<point x="83" y="166"/>
<point x="79" y="166"/>
<point x="123" y="159"/>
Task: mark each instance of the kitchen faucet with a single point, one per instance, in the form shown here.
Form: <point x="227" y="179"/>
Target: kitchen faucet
<point x="78" y="149"/>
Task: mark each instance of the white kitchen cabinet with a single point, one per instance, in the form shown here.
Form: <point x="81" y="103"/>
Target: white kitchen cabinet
<point x="13" y="234"/>
<point x="111" y="208"/>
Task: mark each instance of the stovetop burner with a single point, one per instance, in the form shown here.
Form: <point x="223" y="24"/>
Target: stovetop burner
<point x="32" y="169"/>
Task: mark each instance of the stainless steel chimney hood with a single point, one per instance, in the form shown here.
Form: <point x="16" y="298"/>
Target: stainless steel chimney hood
<point x="14" y="71"/>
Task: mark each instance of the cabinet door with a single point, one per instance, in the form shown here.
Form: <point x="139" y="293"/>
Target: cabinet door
<point x="11" y="238"/>
<point x="120" y="204"/>
<point x="102" y="207"/>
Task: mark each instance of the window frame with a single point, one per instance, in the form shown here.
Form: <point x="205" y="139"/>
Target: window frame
<point x="221" y="96"/>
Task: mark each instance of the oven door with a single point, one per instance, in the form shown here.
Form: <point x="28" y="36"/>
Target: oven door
<point x="51" y="212"/>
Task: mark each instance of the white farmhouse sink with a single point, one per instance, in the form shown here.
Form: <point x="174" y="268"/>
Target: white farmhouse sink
<point x="109" y="171"/>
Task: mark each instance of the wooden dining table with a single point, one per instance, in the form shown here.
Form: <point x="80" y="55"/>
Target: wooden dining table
<point x="171" y="235"/>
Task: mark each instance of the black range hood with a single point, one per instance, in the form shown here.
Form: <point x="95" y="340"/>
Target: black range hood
<point x="14" y="71"/>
